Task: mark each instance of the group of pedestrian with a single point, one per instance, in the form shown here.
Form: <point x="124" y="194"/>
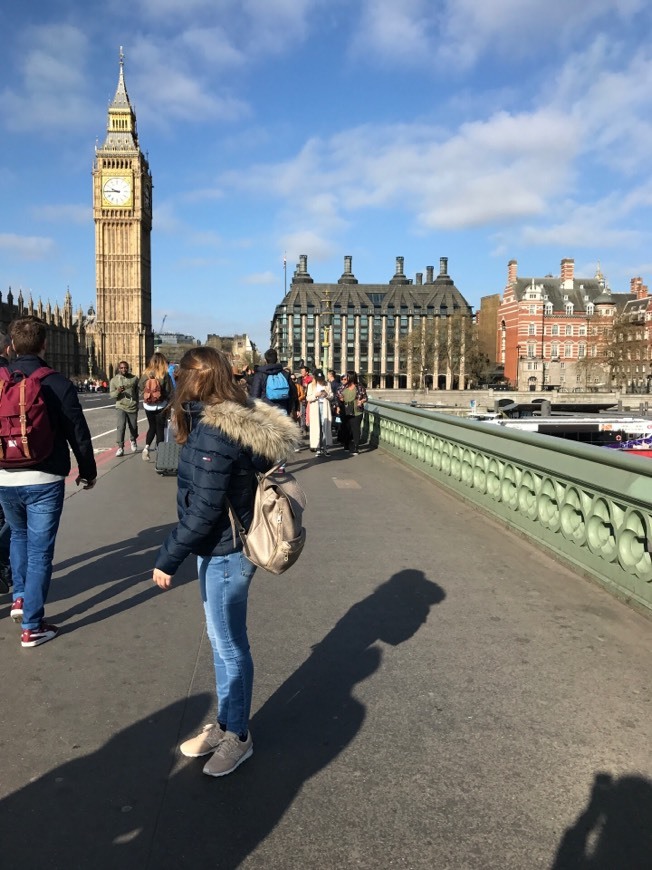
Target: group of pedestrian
<point x="229" y="431"/>
<point x="155" y="388"/>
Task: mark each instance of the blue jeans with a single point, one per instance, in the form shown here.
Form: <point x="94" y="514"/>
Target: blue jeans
<point x="33" y="512"/>
<point x="224" y="586"/>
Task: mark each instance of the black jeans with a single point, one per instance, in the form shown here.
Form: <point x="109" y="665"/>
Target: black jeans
<point x="156" y="423"/>
<point x="351" y="432"/>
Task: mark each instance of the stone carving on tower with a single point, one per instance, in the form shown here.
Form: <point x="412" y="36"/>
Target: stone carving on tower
<point x="122" y="211"/>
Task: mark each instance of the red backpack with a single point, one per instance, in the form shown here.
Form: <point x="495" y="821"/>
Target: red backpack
<point x="26" y="432"/>
<point x="152" y="391"/>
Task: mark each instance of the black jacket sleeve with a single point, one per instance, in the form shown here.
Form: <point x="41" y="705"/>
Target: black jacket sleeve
<point x="257" y="390"/>
<point x="201" y="513"/>
<point x="76" y="430"/>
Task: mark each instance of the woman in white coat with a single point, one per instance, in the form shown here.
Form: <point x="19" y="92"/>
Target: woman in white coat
<point x="318" y="398"/>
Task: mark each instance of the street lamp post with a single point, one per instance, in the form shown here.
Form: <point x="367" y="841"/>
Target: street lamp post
<point x="518" y="365"/>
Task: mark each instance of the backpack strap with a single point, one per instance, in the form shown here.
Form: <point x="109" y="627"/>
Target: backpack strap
<point x="236" y="525"/>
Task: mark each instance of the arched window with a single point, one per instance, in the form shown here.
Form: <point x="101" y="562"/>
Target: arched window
<point x="554" y="329"/>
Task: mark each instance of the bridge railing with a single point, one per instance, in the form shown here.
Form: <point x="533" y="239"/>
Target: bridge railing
<point x="592" y="507"/>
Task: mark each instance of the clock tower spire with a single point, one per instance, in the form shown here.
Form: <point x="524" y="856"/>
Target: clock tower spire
<point x="122" y="211"/>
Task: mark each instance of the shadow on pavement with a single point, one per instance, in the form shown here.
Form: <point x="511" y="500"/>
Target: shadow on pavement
<point x="100" y="810"/>
<point x="113" y="571"/>
<point x="299" y="730"/>
<point x="614" y="832"/>
<point x="120" y="807"/>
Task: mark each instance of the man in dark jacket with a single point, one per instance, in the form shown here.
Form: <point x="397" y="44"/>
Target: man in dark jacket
<point x="6" y="352"/>
<point x="32" y="497"/>
<point x="259" y="387"/>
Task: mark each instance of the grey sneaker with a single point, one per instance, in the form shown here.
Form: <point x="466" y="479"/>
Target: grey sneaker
<point x="120" y="451"/>
<point x="230" y="753"/>
<point x="204" y="743"/>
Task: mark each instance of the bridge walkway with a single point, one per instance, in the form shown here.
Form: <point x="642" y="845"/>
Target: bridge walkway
<point x="431" y="692"/>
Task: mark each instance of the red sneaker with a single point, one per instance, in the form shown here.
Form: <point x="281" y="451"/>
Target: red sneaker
<point x="37" y="636"/>
<point x="16" y="611"/>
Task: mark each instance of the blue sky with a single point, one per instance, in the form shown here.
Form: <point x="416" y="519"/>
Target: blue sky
<point x="480" y="131"/>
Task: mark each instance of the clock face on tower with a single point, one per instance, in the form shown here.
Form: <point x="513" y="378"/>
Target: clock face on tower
<point x="116" y="190"/>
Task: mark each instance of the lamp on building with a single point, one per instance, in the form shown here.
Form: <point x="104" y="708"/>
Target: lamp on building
<point x="326" y="320"/>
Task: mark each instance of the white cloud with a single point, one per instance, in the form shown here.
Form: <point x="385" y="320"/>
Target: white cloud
<point x="53" y="92"/>
<point x="174" y="87"/>
<point x="26" y="247"/>
<point x="309" y="242"/>
<point x="402" y="32"/>
<point x="457" y="33"/>
<point x="504" y="167"/>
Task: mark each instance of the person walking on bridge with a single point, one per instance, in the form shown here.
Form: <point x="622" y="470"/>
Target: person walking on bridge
<point x="351" y="398"/>
<point x="32" y="495"/>
<point x="156" y="391"/>
<point x="124" y="389"/>
<point x="273" y="384"/>
<point x="226" y="437"/>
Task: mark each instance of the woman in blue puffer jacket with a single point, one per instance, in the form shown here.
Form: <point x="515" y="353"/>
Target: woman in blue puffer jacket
<point x="226" y="437"/>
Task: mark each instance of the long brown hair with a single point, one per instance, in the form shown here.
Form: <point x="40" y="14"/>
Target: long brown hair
<point x="157" y="366"/>
<point x="204" y="375"/>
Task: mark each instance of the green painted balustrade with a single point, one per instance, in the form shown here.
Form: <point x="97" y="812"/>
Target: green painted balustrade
<point x="590" y="506"/>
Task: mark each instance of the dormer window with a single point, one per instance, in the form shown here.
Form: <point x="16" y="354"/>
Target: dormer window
<point x="569" y="308"/>
<point x="590" y="308"/>
<point x="548" y="309"/>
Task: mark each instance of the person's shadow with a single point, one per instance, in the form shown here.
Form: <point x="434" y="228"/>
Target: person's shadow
<point x="120" y="807"/>
<point x="297" y="732"/>
<point x="614" y="831"/>
<point x="109" y="580"/>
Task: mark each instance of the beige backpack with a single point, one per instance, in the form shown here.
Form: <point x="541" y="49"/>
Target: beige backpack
<point x="276" y="537"/>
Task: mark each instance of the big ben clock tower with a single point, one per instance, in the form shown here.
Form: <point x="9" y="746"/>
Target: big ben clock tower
<point x="122" y="210"/>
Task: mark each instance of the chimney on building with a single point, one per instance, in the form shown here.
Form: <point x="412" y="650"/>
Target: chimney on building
<point x="512" y="269"/>
<point x="399" y="277"/>
<point x="567" y="273"/>
<point x="301" y="275"/>
<point x="430" y="272"/>
<point x="443" y="266"/>
<point x="347" y="275"/>
<point x="419" y="279"/>
<point x="638" y="288"/>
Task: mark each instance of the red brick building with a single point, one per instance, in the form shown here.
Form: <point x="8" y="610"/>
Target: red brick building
<point x="552" y="331"/>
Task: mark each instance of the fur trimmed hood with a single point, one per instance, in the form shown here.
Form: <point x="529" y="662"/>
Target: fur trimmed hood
<point x="258" y="426"/>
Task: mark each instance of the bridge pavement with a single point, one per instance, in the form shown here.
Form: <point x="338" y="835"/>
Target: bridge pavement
<point x="431" y="692"/>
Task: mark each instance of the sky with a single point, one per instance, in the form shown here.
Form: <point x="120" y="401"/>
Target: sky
<point x="474" y="130"/>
